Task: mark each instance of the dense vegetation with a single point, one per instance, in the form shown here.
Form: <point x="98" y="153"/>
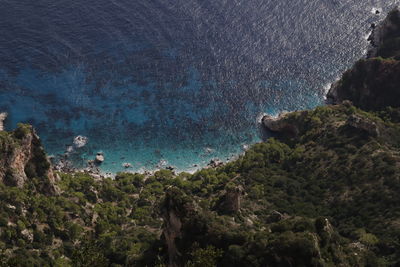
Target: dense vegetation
<point x="325" y="194"/>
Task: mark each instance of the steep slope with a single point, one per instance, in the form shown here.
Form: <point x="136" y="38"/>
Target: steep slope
<point x="374" y="83"/>
<point x="22" y="158"/>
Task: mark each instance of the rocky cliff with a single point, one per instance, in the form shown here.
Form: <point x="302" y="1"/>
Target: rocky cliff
<point x="22" y="158"/>
<point x="374" y="83"/>
<point x="385" y="37"/>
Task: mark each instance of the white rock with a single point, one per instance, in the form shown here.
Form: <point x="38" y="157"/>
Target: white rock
<point x="162" y="163"/>
<point x="99" y="157"/>
<point x="126" y="165"/>
<point x="3" y="117"/>
<point x="69" y="149"/>
<point x="27" y="235"/>
<point x="80" y="141"/>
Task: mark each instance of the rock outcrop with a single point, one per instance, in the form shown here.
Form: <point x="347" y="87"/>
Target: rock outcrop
<point x="276" y="216"/>
<point x="215" y="163"/>
<point x="3" y="117"/>
<point x="230" y="202"/>
<point x="363" y="124"/>
<point x="280" y="124"/>
<point x="385" y="33"/>
<point x="22" y="158"/>
<point x="174" y="212"/>
<point x="80" y="141"/>
<point x="373" y="83"/>
<point x="99" y="158"/>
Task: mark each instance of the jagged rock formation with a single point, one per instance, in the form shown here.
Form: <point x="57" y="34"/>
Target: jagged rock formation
<point x="3" y="117"/>
<point x="374" y="83"/>
<point x="384" y="37"/>
<point x="22" y="158"/>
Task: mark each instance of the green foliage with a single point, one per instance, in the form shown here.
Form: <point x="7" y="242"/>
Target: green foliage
<point x="204" y="257"/>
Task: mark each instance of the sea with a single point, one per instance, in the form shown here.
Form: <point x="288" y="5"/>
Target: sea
<point x="177" y="83"/>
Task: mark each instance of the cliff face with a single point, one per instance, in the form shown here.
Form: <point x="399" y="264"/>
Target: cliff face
<point x="177" y="210"/>
<point x="22" y="158"/>
<point x="374" y="83"/>
<point x="385" y="37"/>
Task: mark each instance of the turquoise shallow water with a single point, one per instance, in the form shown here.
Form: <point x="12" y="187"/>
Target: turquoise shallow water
<point x="170" y="82"/>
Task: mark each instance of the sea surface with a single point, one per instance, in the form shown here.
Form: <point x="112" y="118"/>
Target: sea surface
<point x="158" y="83"/>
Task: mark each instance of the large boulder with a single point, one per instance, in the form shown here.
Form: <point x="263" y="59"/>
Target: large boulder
<point x="280" y="124"/>
<point x="176" y="210"/>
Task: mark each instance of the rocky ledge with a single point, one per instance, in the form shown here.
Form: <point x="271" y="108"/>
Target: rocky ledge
<point x="280" y="124"/>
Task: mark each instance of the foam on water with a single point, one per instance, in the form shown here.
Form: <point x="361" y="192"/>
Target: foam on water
<point x="160" y="83"/>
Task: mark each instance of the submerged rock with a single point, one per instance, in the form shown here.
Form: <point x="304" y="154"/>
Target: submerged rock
<point x="208" y="150"/>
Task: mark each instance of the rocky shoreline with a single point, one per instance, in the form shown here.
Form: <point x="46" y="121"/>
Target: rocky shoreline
<point x="387" y="31"/>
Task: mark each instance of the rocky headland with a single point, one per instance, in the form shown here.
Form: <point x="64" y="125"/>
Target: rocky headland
<point x="372" y="83"/>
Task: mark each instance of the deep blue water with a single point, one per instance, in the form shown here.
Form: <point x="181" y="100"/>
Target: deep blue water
<point x="151" y="81"/>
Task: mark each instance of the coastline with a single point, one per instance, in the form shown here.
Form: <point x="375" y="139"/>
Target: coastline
<point x="207" y="158"/>
<point x="95" y="170"/>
